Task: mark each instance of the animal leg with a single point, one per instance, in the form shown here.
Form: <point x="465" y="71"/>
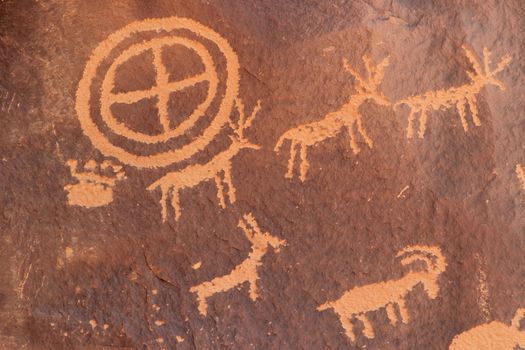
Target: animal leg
<point x="164" y="203"/>
<point x="201" y="299"/>
<point x="304" y="162"/>
<point x="368" y="331"/>
<point x="353" y="143"/>
<point x="175" y="202"/>
<point x="362" y="131"/>
<point x="348" y="327"/>
<point x="474" y="110"/>
<point x="291" y="161"/>
<point x="405" y="317"/>
<point x="423" y="118"/>
<point x="462" y="106"/>
<point x="220" y="191"/>
<point x="229" y="182"/>
<point x="410" y="127"/>
<point x="391" y="313"/>
<point x="253" y="289"/>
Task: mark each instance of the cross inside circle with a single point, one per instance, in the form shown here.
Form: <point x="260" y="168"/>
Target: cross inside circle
<point x="162" y="89"/>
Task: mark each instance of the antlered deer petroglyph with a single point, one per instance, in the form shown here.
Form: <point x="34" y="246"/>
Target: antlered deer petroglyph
<point x="348" y="116"/>
<point x="245" y="271"/>
<point x="93" y="190"/>
<point x="458" y="97"/>
<point x="492" y="336"/>
<point x="218" y="169"/>
<point x="360" y="300"/>
<point x="521" y="175"/>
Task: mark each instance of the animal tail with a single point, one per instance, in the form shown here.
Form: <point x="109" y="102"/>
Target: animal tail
<point x="156" y="184"/>
<point x="325" y="306"/>
<point x="279" y="143"/>
<point x="431" y="255"/>
<point x="399" y="103"/>
<point x="518" y="317"/>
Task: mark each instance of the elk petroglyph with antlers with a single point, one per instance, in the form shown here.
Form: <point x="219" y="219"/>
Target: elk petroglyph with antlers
<point x="218" y="169"/>
<point x="348" y="116"/>
<point x="245" y="271"/>
<point x="360" y="300"/>
<point x="458" y="97"/>
<point x="492" y="336"/>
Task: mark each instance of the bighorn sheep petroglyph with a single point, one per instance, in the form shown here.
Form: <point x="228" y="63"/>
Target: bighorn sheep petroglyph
<point x="360" y="300"/>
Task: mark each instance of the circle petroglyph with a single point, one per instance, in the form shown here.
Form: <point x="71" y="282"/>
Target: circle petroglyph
<point x="160" y="92"/>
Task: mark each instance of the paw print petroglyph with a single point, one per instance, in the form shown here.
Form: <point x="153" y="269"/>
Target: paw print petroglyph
<point x="95" y="183"/>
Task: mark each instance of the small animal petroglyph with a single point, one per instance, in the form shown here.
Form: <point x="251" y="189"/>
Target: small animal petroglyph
<point x="521" y="175"/>
<point x="245" y="271"/>
<point x="348" y="116"/>
<point x="458" y="97"/>
<point x="360" y="300"/>
<point x="218" y="169"/>
<point x="94" y="187"/>
<point x="492" y="336"/>
<point x="121" y="47"/>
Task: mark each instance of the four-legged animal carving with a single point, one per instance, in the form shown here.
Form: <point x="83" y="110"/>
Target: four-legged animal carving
<point x="348" y="115"/>
<point x="245" y="271"/>
<point x="492" y="336"/>
<point x="458" y="97"/>
<point x="360" y="300"/>
<point x="218" y="169"/>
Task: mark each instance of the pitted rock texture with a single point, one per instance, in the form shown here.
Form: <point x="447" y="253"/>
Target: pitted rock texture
<point x="120" y="270"/>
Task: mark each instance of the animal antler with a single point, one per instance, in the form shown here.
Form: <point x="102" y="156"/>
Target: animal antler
<point x="244" y="121"/>
<point x="437" y="264"/>
<point x="375" y="74"/>
<point x="249" y="226"/>
<point x="504" y="62"/>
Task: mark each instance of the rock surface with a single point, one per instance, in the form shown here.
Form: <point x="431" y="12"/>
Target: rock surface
<point x="97" y="254"/>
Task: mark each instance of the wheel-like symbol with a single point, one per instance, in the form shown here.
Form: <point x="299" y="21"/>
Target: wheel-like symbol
<point x="160" y="91"/>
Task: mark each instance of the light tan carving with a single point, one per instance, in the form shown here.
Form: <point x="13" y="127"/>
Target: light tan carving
<point x="245" y="271"/>
<point x="456" y="97"/>
<point x="171" y="31"/>
<point x="348" y="116"/>
<point x="521" y="175"/>
<point x="94" y="187"/>
<point x="360" y="300"/>
<point x="219" y="169"/>
<point x="492" y="336"/>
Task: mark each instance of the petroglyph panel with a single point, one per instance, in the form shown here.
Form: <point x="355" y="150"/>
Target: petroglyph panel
<point x="245" y="174"/>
